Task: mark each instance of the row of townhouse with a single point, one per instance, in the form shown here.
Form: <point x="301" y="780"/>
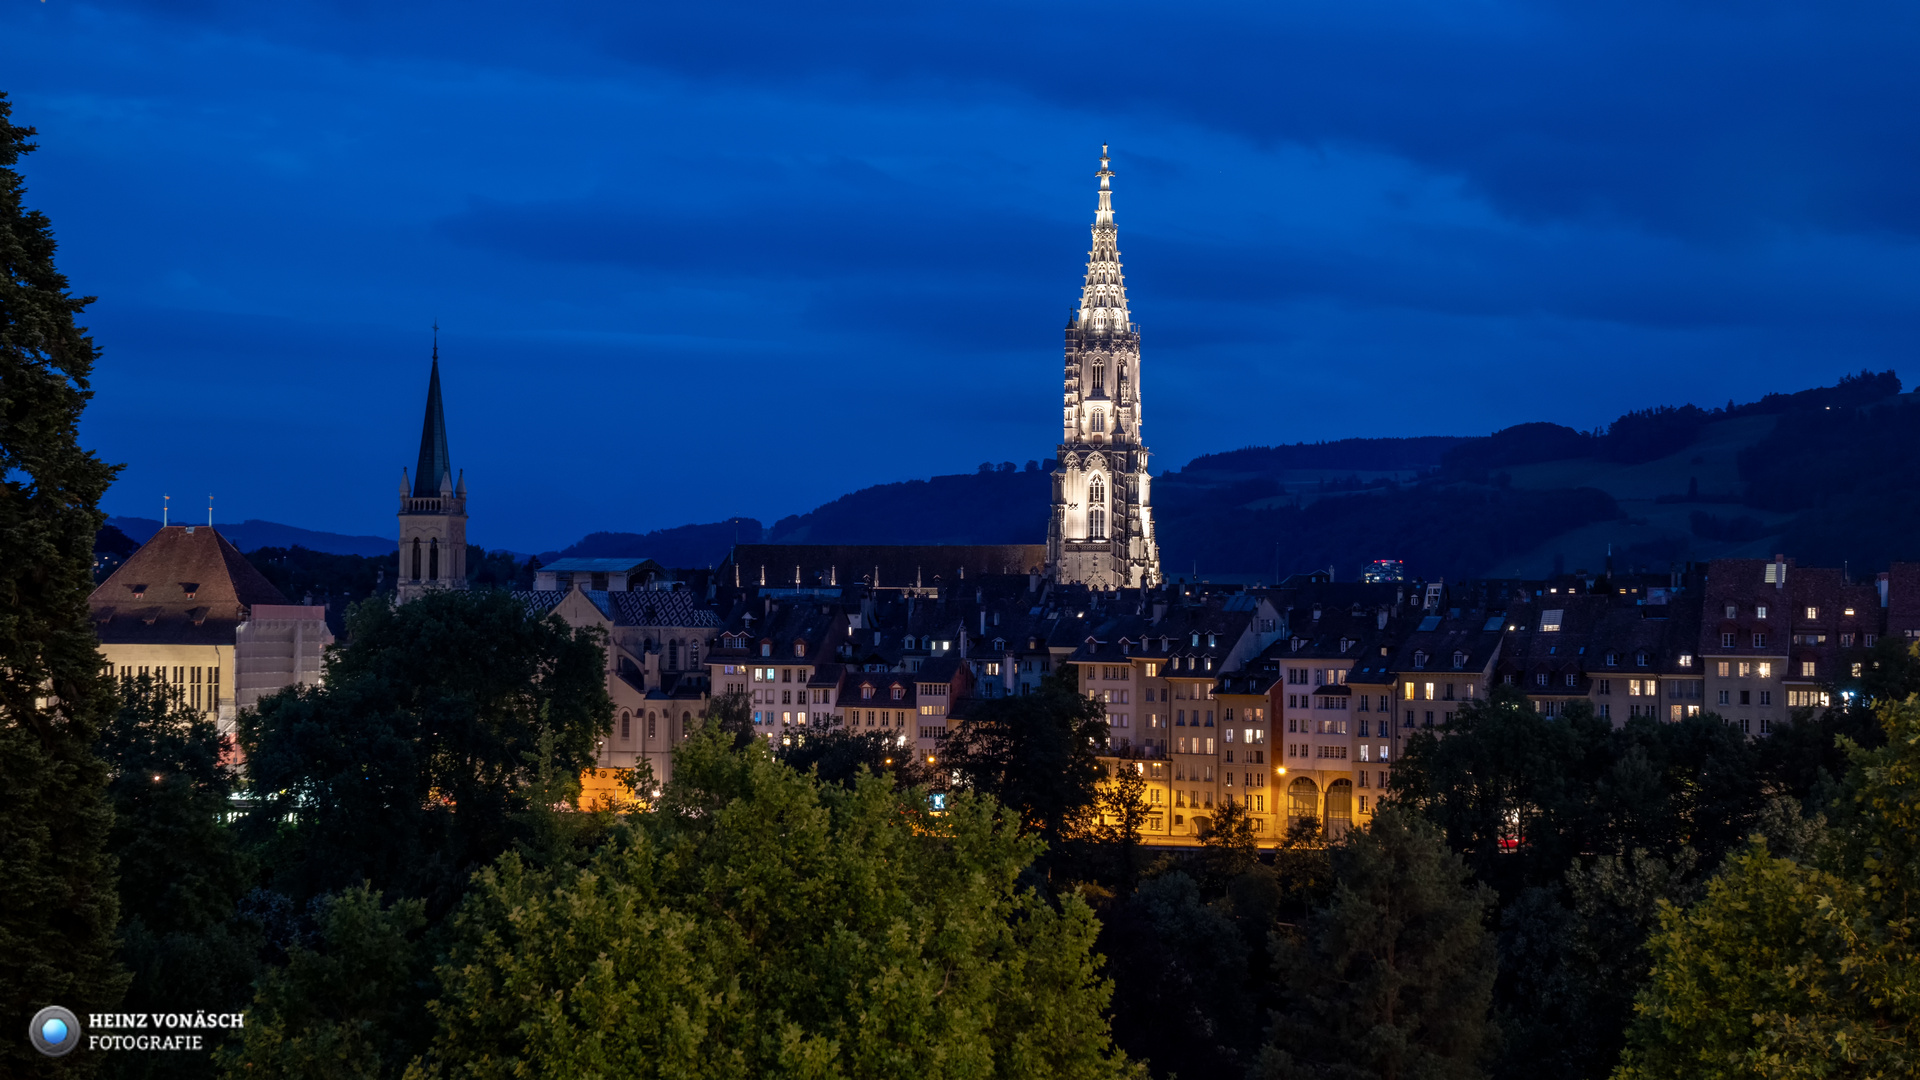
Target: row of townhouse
<point x="1292" y="701"/>
<point x="1323" y="683"/>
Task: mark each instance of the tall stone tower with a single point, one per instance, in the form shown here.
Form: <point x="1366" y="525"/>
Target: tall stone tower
<point x="433" y="507"/>
<point x="1101" y="530"/>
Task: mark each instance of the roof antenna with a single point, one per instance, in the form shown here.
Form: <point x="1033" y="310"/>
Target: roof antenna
<point x="209" y="509"/>
<point x="163" y="510"/>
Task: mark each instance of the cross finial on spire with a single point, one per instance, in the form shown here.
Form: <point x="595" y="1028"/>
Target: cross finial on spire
<point x="436" y="340"/>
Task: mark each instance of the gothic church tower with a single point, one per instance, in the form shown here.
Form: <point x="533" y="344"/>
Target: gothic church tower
<point x="433" y="508"/>
<point x="1101" y="529"/>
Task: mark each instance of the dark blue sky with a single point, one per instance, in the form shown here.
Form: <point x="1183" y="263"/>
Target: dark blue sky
<point x="699" y="260"/>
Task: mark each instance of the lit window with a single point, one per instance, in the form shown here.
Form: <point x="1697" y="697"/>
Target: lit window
<point x="1813" y="612"/>
<point x="1760" y="612"/>
<point x="1806" y="669"/>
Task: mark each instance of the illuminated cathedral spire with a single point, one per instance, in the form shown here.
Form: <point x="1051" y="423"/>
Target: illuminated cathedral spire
<point x="1103" y="298"/>
<point x="1101" y="529"/>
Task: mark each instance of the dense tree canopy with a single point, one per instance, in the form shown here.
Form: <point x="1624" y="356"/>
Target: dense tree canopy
<point x="762" y="923"/>
<point x="1802" y="963"/>
<point x="181" y="869"/>
<point x="57" y="896"/>
<point x="1393" y="976"/>
<point x="1034" y="753"/>
<point x="408" y="767"/>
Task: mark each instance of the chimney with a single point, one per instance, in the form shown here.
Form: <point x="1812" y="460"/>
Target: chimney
<point x="1880" y="583"/>
<point x="983" y="622"/>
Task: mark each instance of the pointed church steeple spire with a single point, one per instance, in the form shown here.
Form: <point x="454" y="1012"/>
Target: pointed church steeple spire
<point x="1103" y="298"/>
<point x="436" y="465"/>
<point x="433" y="518"/>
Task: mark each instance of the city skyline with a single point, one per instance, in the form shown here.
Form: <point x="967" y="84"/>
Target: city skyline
<point x="735" y="247"/>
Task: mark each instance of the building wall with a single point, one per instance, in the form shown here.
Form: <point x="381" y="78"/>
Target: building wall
<point x="210" y="668"/>
<point x="277" y="647"/>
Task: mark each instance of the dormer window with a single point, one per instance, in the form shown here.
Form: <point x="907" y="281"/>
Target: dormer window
<point x="1213" y="640"/>
<point x="1345" y="644"/>
<point x="190" y="588"/>
<point x="799" y="648"/>
<point x="1459" y="660"/>
<point x="766" y="648"/>
<point x="1419" y="660"/>
<point x="999" y="645"/>
<point x="139" y="591"/>
<point x="866" y="691"/>
<point x="899" y="692"/>
<point x="1164" y="645"/>
<point x="1640" y="659"/>
<point x="908" y="642"/>
<point x="1196" y="639"/>
<point x="1294" y="644"/>
<point x="1613" y="659"/>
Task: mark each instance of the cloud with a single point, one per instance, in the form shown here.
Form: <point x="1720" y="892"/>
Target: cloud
<point x="671" y="244"/>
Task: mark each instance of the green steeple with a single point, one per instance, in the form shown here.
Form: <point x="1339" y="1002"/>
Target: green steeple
<point x="435" y="462"/>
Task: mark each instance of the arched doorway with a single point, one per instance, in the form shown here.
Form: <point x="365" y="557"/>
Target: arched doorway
<point x="1339" y="808"/>
<point x="1303" y="801"/>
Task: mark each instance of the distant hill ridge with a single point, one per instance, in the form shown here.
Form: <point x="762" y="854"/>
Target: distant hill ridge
<point x="1830" y="474"/>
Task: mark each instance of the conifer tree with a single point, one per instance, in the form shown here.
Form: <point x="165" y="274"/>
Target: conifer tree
<point x="1393" y="978"/>
<point x="57" y="901"/>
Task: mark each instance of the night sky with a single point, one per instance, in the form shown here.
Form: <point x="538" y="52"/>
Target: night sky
<point x="699" y="260"/>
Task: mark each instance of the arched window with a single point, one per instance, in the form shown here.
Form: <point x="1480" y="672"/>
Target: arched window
<point x="1097" y="524"/>
<point x="1339" y="809"/>
<point x="1099" y="376"/>
<point x="416" y="558"/>
<point x="1096" y="492"/>
<point x="652" y="731"/>
<point x="693" y="655"/>
<point x="626" y="725"/>
<point x="1303" y="802"/>
<point x="1099" y="420"/>
<point x="673" y="656"/>
<point x="433" y="559"/>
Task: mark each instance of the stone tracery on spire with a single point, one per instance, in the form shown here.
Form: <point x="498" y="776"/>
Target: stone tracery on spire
<point x="1103" y="298"/>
